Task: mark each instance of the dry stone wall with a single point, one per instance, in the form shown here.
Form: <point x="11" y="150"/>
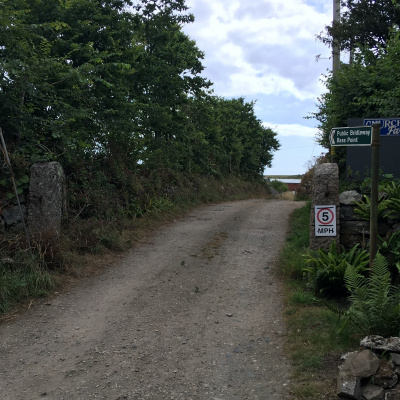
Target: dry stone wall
<point x="353" y="229"/>
<point x="373" y="372"/>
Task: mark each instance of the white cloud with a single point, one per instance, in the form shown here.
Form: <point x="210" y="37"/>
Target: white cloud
<point x="292" y="129"/>
<point x="264" y="46"/>
<point x="265" y="50"/>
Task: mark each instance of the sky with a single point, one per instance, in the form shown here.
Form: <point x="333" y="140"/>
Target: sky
<point x="265" y="51"/>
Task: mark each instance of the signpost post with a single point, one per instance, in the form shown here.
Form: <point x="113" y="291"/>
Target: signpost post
<point x="373" y="234"/>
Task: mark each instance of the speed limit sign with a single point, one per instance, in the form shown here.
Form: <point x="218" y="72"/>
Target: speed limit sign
<point x="325" y="220"/>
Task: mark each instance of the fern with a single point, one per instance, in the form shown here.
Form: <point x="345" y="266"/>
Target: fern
<point x="375" y="302"/>
<point x="363" y="207"/>
<point x="390" y="247"/>
<point x="394" y="205"/>
<point x="326" y="270"/>
<point x="392" y="190"/>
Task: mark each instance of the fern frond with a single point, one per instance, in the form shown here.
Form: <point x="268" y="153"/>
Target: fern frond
<point x="375" y="302"/>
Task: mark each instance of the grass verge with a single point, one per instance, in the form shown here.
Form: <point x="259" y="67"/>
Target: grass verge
<point x="314" y="341"/>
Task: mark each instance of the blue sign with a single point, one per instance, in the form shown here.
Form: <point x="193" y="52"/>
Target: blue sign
<point x="389" y="126"/>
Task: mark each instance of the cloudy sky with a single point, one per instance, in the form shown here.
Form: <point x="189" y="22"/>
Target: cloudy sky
<point x="265" y="51"/>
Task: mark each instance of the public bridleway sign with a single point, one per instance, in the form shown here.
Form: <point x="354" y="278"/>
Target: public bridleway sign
<point x="354" y="136"/>
<point x="325" y="220"/>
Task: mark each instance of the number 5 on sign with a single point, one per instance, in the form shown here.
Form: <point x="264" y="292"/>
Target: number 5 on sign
<point x="325" y="220"/>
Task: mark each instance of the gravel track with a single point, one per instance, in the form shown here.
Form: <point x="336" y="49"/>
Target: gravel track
<point x="193" y="313"/>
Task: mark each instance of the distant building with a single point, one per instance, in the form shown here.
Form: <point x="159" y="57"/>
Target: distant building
<point x="292" y="184"/>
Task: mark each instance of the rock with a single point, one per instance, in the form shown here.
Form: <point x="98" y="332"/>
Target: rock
<point x="347" y="214"/>
<point x="386" y="376"/>
<point x="372" y="392"/>
<point x="349" y="197"/>
<point x="392" y="394"/>
<point x="395" y="358"/>
<point x="352" y="232"/>
<point x="348" y="386"/>
<point x="375" y="342"/>
<point x="2" y="224"/>
<point x="347" y="355"/>
<point x="362" y="365"/>
<point x="12" y="215"/>
<point x="378" y="378"/>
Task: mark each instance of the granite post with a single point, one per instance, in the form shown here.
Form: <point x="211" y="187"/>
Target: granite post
<point x="46" y="198"/>
<point x="325" y="192"/>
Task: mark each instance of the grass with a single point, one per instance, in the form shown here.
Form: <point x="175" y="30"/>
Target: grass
<point x="313" y="342"/>
<point x="20" y="283"/>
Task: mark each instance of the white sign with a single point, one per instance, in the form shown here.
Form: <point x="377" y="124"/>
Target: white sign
<point x="325" y="220"/>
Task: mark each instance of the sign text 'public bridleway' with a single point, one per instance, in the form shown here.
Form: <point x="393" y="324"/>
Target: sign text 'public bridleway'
<point x="354" y="136"/>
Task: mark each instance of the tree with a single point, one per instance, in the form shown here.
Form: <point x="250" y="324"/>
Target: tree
<point x="167" y="77"/>
<point x="64" y="75"/>
<point x="364" y="23"/>
<point x="368" y="87"/>
<point x="114" y="87"/>
<point x="362" y="87"/>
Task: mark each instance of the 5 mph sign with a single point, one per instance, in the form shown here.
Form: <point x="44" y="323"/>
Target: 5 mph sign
<point x="325" y="220"/>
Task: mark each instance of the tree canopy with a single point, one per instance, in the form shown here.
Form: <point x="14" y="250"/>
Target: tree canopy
<point x="363" y="24"/>
<point x="369" y="85"/>
<point x="117" y="84"/>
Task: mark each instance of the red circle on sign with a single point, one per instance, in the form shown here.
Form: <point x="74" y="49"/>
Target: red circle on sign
<point x="326" y="222"/>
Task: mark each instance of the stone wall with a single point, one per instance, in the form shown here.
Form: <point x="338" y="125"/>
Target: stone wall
<point x="373" y="372"/>
<point x="355" y="230"/>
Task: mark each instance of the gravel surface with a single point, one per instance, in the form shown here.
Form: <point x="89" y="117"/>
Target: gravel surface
<point x="193" y="313"/>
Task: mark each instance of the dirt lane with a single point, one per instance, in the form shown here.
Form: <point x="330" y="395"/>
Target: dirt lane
<point x="194" y="313"/>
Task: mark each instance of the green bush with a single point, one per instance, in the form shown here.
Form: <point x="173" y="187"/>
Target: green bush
<point x="279" y="186"/>
<point x="325" y="271"/>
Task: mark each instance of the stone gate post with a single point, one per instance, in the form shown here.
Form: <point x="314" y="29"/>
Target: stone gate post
<point x="46" y="198"/>
<point x="325" y="192"/>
